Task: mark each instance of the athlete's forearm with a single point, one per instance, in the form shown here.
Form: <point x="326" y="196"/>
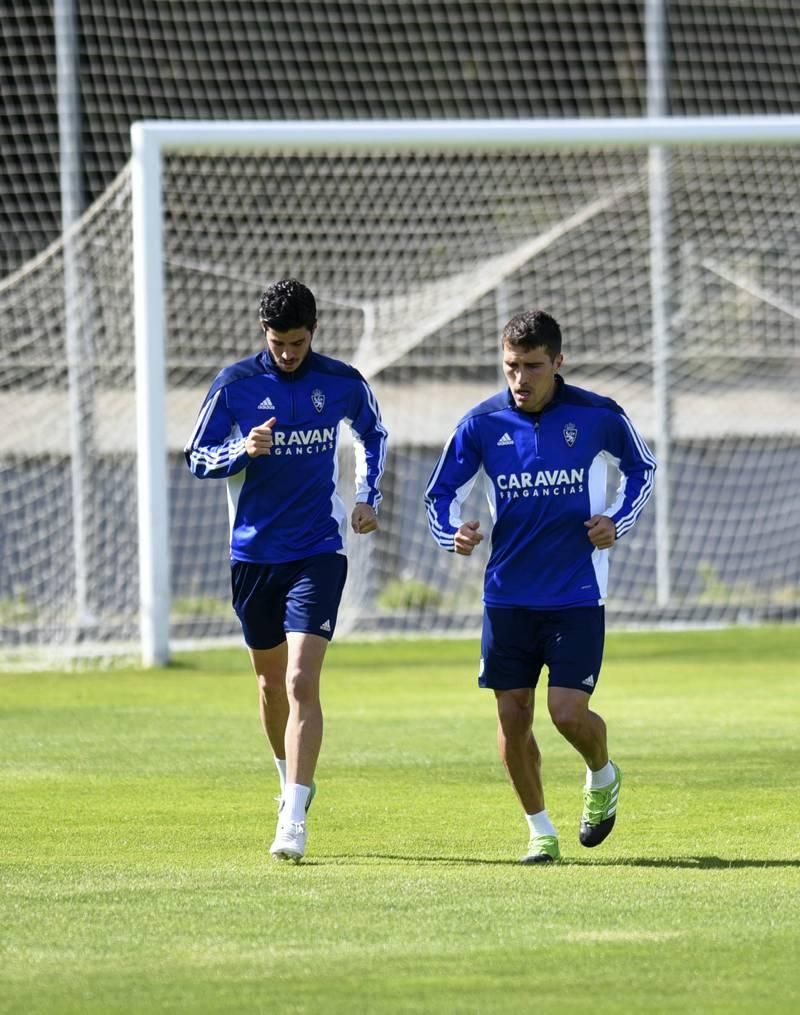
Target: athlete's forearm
<point x="217" y="461"/>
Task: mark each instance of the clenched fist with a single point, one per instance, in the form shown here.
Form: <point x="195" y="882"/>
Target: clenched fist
<point x="467" y="538"/>
<point x="259" y="440"/>
<point x="363" y="519"/>
<point x="601" y="531"/>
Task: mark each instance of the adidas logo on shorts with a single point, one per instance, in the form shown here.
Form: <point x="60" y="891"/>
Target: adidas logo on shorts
<point x="326" y="626"/>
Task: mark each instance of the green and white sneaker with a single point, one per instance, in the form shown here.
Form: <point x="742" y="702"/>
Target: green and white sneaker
<point x="542" y="849"/>
<point x="599" y="811"/>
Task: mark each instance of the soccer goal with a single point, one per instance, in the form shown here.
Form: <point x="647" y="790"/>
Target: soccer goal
<point x="667" y="248"/>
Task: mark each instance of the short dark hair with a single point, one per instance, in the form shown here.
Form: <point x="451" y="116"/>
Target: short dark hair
<point x="533" y="329"/>
<point x="287" y="305"/>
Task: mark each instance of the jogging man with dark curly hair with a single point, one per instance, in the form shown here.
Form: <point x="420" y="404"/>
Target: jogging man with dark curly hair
<point x="269" y="425"/>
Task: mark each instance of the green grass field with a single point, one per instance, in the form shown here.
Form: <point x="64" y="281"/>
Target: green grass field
<point x="137" y="807"/>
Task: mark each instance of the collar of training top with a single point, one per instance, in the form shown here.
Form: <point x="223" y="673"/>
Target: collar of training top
<point x="270" y="366"/>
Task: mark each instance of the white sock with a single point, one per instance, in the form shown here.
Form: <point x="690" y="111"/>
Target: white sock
<point x="280" y="764"/>
<point x="601" y="778"/>
<point x="540" y="824"/>
<point x="296" y="798"/>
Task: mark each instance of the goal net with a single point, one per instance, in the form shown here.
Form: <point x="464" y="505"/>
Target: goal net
<point x="418" y="252"/>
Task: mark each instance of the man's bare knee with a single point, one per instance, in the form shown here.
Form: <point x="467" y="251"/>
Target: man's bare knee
<point x="515" y="715"/>
<point x="302" y="688"/>
<point x="568" y="717"/>
<point x="271" y="683"/>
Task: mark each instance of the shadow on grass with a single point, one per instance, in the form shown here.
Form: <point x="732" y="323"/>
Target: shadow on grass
<point x="444" y="861"/>
<point x="675" y="862"/>
<point x="686" y="862"/>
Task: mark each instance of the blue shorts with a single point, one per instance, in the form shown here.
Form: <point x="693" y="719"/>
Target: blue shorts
<point x="301" y="595"/>
<point x="516" y="643"/>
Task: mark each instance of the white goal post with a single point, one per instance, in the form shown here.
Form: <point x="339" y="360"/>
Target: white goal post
<point x="153" y="140"/>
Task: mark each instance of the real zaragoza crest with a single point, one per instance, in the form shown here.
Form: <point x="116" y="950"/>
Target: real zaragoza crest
<point x="318" y="399"/>
<point x="570" y="434"/>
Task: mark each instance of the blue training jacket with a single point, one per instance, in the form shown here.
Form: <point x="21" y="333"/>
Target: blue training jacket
<point x="284" y="506"/>
<point x="545" y="476"/>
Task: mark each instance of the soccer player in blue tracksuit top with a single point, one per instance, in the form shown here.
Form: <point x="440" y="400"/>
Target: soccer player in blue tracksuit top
<point x="544" y="447"/>
<point x="269" y="426"/>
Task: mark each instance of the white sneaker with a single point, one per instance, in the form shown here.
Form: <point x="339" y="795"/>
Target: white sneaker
<point x="290" y="841"/>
